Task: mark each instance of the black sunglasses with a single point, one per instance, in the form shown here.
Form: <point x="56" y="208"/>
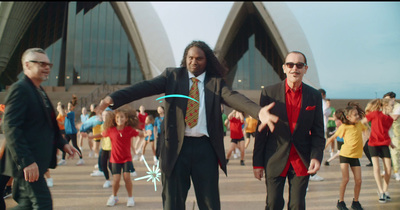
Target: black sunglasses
<point x="298" y="65"/>
<point x="43" y="64"/>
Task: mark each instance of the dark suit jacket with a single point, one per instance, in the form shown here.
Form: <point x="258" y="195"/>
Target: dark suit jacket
<point x="176" y="81"/>
<point x="271" y="150"/>
<point x="32" y="135"/>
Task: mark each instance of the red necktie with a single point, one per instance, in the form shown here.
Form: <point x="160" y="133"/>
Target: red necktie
<point x="192" y="111"/>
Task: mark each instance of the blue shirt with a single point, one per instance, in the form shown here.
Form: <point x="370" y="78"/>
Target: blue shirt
<point x="157" y="122"/>
<point x="150" y="127"/>
<point x="69" y="123"/>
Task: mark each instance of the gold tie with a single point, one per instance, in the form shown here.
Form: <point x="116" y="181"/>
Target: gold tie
<point x="192" y="111"/>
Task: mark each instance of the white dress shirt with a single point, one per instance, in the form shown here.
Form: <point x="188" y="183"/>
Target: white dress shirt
<point x="201" y="128"/>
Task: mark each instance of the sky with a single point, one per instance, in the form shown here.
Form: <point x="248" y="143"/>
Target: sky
<point x="355" y="45"/>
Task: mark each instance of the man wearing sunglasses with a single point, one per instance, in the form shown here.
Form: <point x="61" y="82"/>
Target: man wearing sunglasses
<point x="294" y="149"/>
<point x="31" y="133"/>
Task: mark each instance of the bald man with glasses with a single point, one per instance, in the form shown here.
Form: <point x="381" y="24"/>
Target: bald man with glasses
<point x="294" y="149"/>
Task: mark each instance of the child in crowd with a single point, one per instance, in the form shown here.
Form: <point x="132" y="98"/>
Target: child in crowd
<point x="149" y="134"/>
<point x="71" y="134"/>
<point x="105" y="150"/>
<point x="352" y="133"/>
<point x="338" y="114"/>
<point x="120" y="127"/>
<point x="377" y="112"/>
<point x="250" y="129"/>
<point x="236" y="120"/>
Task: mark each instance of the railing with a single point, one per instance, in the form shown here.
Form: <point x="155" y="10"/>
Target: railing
<point x="96" y="95"/>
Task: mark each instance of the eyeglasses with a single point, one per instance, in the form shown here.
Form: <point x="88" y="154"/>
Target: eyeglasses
<point x="298" y="65"/>
<point x="43" y="64"/>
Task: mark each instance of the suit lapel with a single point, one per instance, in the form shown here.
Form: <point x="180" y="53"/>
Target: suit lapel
<point x="209" y="90"/>
<point x="304" y="98"/>
<point x="183" y="88"/>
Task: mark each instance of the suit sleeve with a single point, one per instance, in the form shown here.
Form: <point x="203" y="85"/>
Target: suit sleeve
<point x="140" y="90"/>
<point x="238" y="101"/>
<point x="15" y="112"/>
<point x="261" y="138"/>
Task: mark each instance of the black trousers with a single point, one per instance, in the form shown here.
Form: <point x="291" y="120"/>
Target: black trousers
<point x="297" y="191"/>
<point x="32" y="195"/>
<point x="197" y="161"/>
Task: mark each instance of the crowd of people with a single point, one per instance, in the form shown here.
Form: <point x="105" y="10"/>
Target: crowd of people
<point x="290" y="129"/>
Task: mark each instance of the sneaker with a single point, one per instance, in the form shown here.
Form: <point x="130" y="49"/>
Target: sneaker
<point x="130" y="202"/>
<point x="382" y="198"/>
<point x="397" y="176"/>
<point x="107" y="184"/>
<point x="356" y="205"/>
<point x="315" y="177"/>
<point x="341" y="205"/>
<point x="97" y="173"/>
<point x="155" y="159"/>
<point x="141" y="158"/>
<point x="235" y="156"/>
<point x="91" y="153"/>
<point x="80" y="162"/>
<point x="326" y="163"/>
<point x="61" y="162"/>
<point x="7" y="192"/>
<point x="49" y="182"/>
<point x="387" y="196"/>
<point x="242" y="162"/>
<point x="369" y="165"/>
<point x="96" y="166"/>
<point x="112" y="200"/>
<point x="133" y="173"/>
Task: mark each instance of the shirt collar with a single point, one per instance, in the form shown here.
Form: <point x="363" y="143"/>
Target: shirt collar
<point x="200" y="77"/>
<point x="288" y="89"/>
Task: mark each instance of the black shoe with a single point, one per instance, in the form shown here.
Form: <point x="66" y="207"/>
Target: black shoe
<point x="242" y="162"/>
<point x="326" y="163"/>
<point x="341" y="205"/>
<point x="7" y="192"/>
<point x="369" y="165"/>
<point x="356" y="205"/>
<point x="387" y="196"/>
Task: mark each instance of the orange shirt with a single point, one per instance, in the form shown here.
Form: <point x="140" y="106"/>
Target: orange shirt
<point x="60" y="119"/>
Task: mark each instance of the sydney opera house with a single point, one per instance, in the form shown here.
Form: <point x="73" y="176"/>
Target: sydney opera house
<point x="97" y="47"/>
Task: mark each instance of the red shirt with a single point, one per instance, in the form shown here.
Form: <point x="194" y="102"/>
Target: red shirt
<point x="121" y="143"/>
<point x="380" y="125"/>
<point x="236" y="128"/>
<point x="293" y="106"/>
<point x="142" y="119"/>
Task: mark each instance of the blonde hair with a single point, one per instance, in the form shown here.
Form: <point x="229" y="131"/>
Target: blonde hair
<point x="374" y="105"/>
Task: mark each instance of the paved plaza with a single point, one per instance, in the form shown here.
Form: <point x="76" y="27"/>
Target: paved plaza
<point x="74" y="188"/>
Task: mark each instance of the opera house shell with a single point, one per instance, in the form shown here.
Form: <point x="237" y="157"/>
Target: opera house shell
<point x="120" y="43"/>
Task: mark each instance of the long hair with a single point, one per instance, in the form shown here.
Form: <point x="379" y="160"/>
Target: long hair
<point x="360" y="111"/>
<point x="213" y="65"/>
<point x="130" y="114"/>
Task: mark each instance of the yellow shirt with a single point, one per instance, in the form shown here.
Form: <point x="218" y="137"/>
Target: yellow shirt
<point x="106" y="142"/>
<point x="353" y="141"/>
<point x="251" y="125"/>
<point x="96" y="130"/>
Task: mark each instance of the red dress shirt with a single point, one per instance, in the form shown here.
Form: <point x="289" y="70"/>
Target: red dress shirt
<point x="293" y="106"/>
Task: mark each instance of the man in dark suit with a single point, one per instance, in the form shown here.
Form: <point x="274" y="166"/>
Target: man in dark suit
<point x="294" y="148"/>
<point x="31" y="133"/>
<point x="191" y="152"/>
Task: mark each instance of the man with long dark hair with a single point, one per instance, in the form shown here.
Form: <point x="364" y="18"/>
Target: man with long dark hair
<point x="192" y="144"/>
